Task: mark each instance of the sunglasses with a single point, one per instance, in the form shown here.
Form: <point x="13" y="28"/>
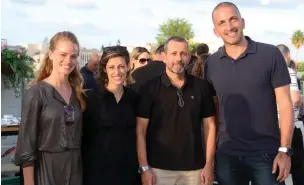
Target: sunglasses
<point x="69" y="115"/>
<point x="144" y="60"/>
<point x="115" y="49"/>
<point x="181" y="102"/>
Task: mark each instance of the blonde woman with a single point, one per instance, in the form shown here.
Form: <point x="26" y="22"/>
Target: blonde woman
<point x="140" y="57"/>
<point x="48" y="147"/>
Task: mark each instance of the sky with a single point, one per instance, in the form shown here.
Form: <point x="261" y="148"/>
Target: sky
<point x="136" y="22"/>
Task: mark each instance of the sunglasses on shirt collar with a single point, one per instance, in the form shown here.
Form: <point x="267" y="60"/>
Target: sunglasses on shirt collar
<point x="69" y="115"/>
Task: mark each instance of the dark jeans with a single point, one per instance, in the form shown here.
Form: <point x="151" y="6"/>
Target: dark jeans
<point x="297" y="159"/>
<point x="237" y="170"/>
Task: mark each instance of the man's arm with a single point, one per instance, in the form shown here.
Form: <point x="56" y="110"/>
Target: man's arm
<point x="294" y="89"/>
<point x="296" y="98"/>
<point x="209" y="125"/>
<point x="217" y="118"/>
<point x="210" y="129"/>
<point x="141" y="130"/>
<point x="286" y="114"/>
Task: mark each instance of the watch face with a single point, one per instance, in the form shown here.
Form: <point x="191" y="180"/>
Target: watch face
<point x="290" y="151"/>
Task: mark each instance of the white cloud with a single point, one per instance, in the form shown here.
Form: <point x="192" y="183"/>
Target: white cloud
<point x="78" y="1"/>
<point x="136" y="21"/>
<point x="265" y="2"/>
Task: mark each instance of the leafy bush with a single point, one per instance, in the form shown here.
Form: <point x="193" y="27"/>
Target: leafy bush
<point x="16" y="66"/>
<point x="300" y="66"/>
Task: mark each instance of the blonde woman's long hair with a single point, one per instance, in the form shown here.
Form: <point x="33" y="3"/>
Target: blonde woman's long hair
<point x="75" y="78"/>
<point x="135" y="54"/>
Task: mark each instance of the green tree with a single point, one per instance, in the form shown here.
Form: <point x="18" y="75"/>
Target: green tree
<point x="192" y="47"/>
<point x="300" y="67"/>
<point x="174" y="27"/>
<point x="297" y="40"/>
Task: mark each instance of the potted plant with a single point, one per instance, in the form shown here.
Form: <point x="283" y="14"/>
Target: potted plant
<point x="16" y="67"/>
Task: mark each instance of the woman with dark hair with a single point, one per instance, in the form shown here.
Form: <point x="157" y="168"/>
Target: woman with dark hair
<point x="198" y="68"/>
<point x="109" y="124"/>
<point x="202" y="52"/>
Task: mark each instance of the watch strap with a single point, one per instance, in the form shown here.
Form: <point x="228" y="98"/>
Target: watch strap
<point x="142" y="169"/>
<point x="283" y="149"/>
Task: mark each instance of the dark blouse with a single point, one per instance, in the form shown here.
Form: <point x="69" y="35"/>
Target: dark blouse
<point x="43" y="127"/>
<point x="45" y="141"/>
<point x="109" y="138"/>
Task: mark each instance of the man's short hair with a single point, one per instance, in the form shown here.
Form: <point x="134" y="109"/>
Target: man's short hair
<point x="202" y="49"/>
<point x="225" y="4"/>
<point x="174" y="38"/>
<point x="160" y="49"/>
<point x="284" y="49"/>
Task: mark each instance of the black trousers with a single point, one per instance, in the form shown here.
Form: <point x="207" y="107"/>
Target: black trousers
<point x="297" y="159"/>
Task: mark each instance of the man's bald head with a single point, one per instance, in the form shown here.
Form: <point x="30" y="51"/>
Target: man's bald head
<point x="225" y="4"/>
<point x="93" y="62"/>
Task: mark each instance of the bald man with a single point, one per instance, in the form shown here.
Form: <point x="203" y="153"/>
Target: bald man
<point x="88" y="71"/>
<point x="247" y="79"/>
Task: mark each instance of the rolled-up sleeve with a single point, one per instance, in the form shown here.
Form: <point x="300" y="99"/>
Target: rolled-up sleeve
<point x="26" y="151"/>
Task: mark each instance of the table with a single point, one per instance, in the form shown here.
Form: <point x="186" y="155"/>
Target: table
<point x="12" y="131"/>
<point x="9" y="130"/>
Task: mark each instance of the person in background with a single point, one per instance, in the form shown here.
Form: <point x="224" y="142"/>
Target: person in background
<point x="149" y="71"/>
<point x="159" y="54"/>
<point x="297" y="159"/>
<point x="140" y="57"/>
<point x="88" y="71"/>
<point x="202" y="49"/>
<point x="201" y="53"/>
<point x="49" y="140"/>
<point x="109" y="123"/>
<point x="293" y="66"/>
<point x="249" y="81"/>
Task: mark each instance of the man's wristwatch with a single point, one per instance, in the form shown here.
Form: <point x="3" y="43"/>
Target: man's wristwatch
<point x="142" y="169"/>
<point x="286" y="150"/>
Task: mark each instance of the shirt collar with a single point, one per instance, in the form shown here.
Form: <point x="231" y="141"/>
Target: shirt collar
<point x="167" y="82"/>
<point x="105" y="92"/>
<point x="251" y="48"/>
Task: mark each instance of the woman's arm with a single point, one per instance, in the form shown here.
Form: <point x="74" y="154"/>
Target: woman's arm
<point x="26" y="151"/>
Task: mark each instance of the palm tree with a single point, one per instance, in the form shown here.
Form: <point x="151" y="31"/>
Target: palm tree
<point x="297" y="40"/>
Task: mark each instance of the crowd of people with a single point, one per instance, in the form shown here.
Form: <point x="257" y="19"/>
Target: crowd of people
<point x="165" y="118"/>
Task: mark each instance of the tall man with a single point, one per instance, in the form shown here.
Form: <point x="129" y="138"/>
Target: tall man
<point x="250" y="79"/>
<point x="171" y="110"/>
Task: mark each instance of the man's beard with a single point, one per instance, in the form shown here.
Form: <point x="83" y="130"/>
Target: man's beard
<point x="182" y="69"/>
